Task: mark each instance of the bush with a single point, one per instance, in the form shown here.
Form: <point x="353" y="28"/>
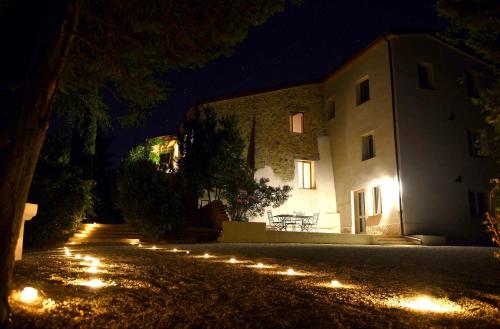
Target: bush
<point x="149" y="198"/>
<point x="63" y="199"/>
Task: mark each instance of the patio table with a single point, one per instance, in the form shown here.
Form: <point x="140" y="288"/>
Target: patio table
<point x="289" y="219"/>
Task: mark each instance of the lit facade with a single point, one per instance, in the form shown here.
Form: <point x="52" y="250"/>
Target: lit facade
<point x="389" y="143"/>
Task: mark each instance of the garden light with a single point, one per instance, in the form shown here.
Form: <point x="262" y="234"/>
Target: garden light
<point x="28" y="295"/>
<point x="206" y="255"/>
<point x="94" y="283"/>
<point x="154" y="248"/>
<point x="175" y="250"/>
<point x="187" y="252"/>
<point x="290" y="271"/>
<point x="232" y="260"/>
<point x="335" y="284"/>
<point x="92" y="269"/>
<point x="429" y="304"/>
<point x="78" y="256"/>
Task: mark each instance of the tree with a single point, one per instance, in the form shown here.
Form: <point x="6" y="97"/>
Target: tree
<point x="212" y="161"/>
<point x="475" y="25"/>
<point x="79" y="47"/>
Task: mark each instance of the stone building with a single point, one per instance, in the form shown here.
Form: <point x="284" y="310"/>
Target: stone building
<point x="388" y="143"/>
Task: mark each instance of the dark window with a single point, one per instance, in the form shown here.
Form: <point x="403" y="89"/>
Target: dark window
<point x="377" y="200"/>
<point x="368" y="147"/>
<point x="363" y="91"/>
<point x="425" y="76"/>
<point x="478" y="143"/>
<point x="471" y="85"/>
<point x="331" y="110"/>
<point x="477" y="203"/>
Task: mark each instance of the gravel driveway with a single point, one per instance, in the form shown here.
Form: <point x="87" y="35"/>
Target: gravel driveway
<point x="161" y="288"/>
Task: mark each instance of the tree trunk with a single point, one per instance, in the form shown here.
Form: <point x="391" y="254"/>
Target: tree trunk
<point x="40" y="37"/>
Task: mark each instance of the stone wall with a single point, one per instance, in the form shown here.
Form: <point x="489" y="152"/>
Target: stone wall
<point x="275" y="145"/>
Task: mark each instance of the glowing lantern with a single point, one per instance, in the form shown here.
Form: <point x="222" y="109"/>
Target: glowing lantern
<point x="232" y="260"/>
<point x="140" y="245"/>
<point x="175" y="249"/>
<point x="206" y="255"/>
<point x="28" y="295"/>
<point x="154" y="248"/>
<point x="290" y="271"/>
<point x="187" y="252"/>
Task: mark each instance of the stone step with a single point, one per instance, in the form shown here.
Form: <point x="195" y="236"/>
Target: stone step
<point x="104" y="240"/>
<point x="397" y="240"/>
<point x="132" y="235"/>
<point x="97" y="231"/>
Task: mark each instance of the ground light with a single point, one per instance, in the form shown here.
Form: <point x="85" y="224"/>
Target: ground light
<point x="92" y="269"/>
<point x="430" y="304"/>
<point x="260" y="265"/>
<point x="94" y="283"/>
<point x="28" y="295"/>
<point x="78" y="256"/>
<point x="187" y="252"/>
<point x="290" y="271"/>
<point x="174" y="250"/>
<point x="154" y="248"/>
<point x="206" y="255"/>
<point x="232" y="260"/>
<point x="335" y="284"/>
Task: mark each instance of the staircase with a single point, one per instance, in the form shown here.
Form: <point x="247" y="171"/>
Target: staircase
<point x="398" y="240"/>
<point x="106" y="234"/>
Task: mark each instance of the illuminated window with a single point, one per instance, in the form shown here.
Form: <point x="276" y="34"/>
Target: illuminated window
<point x="425" y="76"/>
<point x="306" y="174"/>
<point x="471" y="84"/>
<point x="377" y="200"/>
<point x="478" y="142"/>
<point x="477" y="203"/>
<point x="368" y="147"/>
<point x="297" y="122"/>
<point x="362" y="91"/>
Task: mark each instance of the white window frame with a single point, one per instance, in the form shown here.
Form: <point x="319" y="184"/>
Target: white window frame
<point x="301" y="168"/>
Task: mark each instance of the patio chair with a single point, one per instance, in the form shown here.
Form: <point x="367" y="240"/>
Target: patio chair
<point x="311" y="224"/>
<point x="274" y="224"/>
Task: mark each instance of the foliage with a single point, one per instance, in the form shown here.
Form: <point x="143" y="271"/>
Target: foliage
<point x="123" y="48"/>
<point x="249" y="198"/>
<point x="475" y="25"/>
<point x="212" y="162"/>
<point x="492" y="221"/>
<point x="211" y="151"/>
<point x="149" y="198"/>
<point x="63" y="197"/>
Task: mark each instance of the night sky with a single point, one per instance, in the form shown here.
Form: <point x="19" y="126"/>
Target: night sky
<point x="300" y="44"/>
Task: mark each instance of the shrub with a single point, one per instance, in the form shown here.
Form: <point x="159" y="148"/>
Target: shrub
<point x="148" y="197"/>
<point x="63" y="199"/>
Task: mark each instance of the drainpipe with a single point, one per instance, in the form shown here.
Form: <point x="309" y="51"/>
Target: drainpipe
<point x="396" y="139"/>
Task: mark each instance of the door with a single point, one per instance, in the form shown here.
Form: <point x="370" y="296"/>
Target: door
<point x="360" y="211"/>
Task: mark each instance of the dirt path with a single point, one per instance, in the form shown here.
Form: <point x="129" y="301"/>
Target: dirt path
<point x="160" y="288"/>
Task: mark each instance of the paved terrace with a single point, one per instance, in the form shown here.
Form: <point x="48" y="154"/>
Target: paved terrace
<point x="163" y="288"/>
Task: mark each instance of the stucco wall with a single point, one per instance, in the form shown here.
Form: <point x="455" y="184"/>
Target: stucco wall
<point x="436" y="169"/>
<point x="346" y="130"/>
